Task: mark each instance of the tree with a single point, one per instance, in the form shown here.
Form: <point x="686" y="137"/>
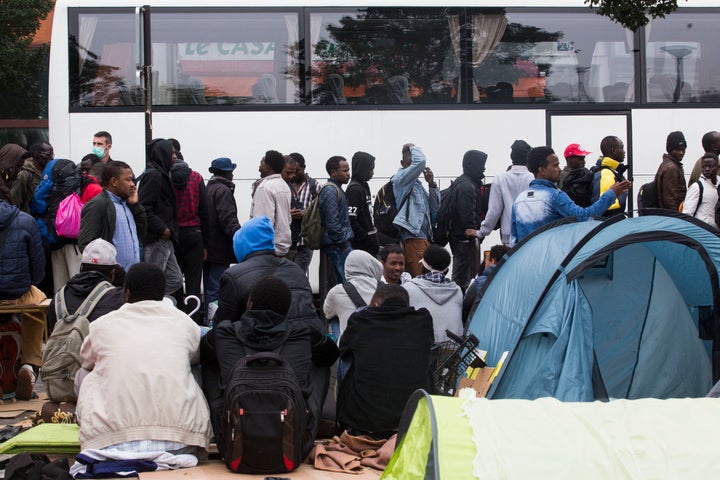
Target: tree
<point x="633" y="14"/>
<point x="22" y="64"/>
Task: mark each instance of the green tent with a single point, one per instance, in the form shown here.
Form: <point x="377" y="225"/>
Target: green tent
<point x="457" y="438"/>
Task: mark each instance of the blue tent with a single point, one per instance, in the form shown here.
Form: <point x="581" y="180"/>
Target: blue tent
<point x="593" y="310"/>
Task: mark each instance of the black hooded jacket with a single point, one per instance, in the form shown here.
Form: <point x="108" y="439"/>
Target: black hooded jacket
<point x="389" y="347"/>
<point x="76" y="291"/>
<point x="359" y="202"/>
<point x="465" y="200"/>
<point x="157" y="194"/>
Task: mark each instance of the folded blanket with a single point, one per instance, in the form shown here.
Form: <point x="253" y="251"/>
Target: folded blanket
<point x="349" y="453"/>
<point x="45" y="438"/>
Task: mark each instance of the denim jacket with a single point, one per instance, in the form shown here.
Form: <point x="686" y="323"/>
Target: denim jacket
<point x="418" y="214"/>
<point x="543" y="203"/>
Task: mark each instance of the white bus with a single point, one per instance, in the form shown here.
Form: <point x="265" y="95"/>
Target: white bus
<point x="236" y="78"/>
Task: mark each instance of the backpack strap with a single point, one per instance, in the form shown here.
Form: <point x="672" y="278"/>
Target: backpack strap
<point x="339" y="191"/>
<point x="87" y="306"/>
<point x="701" y="188"/>
<point x="354" y="295"/>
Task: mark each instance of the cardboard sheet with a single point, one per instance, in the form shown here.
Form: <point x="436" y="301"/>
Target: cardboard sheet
<point x="215" y="470"/>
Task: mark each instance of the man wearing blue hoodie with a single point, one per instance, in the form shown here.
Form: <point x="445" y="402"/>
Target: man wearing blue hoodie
<point x="254" y="247"/>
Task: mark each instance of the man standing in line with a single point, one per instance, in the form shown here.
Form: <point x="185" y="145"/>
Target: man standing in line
<point x="223" y="223"/>
<point x="702" y="195"/>
<point x="193" y="225"/>
<point x="575" y="164"/>
<point x="710" y="144"/>
<point x="359" y="202"/>
<point x="304" y="189"/>
<point x="543" y="202"/>
<point x="30" y="174"/>
<point x="670" y="177"/>
<point x="102" y="143"/>
<point x="115" y="215"/>
<point x="505" y="188"/>
<point x="157" y="195"/>
<point x="416" y="215"/>
<point x="610" y="171"/>
<point x="465" y="215"/>
<point x="272" y="199"/>
<point x="334" y="213"/>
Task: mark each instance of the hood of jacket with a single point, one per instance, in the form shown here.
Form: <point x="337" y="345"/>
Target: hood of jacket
<point x="361" y="267"/>
<point x="255" y="235"/>
<point x="180" y="173"/>
<point x="8" y="212"/>
<point x="363" y="165"/>
<point x="11" y="159"/>
<point x="262" y="330"/>
<point x="160" y="154"/>
<point x="439" y="293"/>
<point x="474" y="165"/>
<point x="82" y="284"/>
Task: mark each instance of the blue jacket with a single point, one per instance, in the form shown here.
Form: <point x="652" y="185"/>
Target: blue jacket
<point x="334" y="213"/>
<point x="543" y="203"/>
<point x="418" y="214"/>
<point x="22" y="258"/>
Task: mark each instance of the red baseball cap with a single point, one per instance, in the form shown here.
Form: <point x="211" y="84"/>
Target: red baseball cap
<point x="574" y="149"/>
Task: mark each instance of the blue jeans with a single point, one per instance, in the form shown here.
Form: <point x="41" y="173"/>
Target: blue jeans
<point x="337" y="257"/>
<point x="211" y="274"/>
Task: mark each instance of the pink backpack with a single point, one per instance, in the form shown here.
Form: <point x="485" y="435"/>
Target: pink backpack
<point x="67" y="219"/>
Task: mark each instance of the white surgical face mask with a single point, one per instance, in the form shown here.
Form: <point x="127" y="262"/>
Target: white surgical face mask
<point x="99" y="151"/>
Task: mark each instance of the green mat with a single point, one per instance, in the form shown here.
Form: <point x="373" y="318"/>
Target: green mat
<point x="45" y="438"/>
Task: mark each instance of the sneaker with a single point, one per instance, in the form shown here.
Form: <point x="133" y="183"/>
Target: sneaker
<point x="26" y="383"/>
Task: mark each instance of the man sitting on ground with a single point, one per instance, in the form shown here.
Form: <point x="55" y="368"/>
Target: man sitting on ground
<point x="392" y="257"/>
<point x="379" y="382"/>
<point x="264" y="327"/>
<point x="140" y="403"/>
<point x="434" y="291"/>
<point x="98" y="264"/>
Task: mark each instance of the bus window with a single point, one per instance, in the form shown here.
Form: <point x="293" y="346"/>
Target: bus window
<point x="521" y="57"/>
<point x="676" y="69"/>
<point x="383" y="56"/>
<point x="103" y="58"/>
<point x="225" y="57"/>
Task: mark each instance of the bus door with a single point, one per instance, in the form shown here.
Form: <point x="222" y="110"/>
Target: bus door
<point x="588" y="129"/>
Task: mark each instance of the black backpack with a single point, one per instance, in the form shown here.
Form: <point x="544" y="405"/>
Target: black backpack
<point x="265" y="420"/>
<point x="441" y="230"/>
<point x="385" y="210"/>
<point x="648" y="196"/>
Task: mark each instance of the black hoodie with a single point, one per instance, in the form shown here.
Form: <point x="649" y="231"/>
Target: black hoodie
<point x="156" y="192"/>
<point x="76" y="291"/>
<point x="465" y="202"/>
<point x="359" y="202"/>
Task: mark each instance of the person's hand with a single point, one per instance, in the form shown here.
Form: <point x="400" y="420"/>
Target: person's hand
<point x="470" y="232"/>
<point x="204" y="254"/>
<point x="133" y="198"/>
<point x="296" y="213"/>
<point x="429" y="176"/>
<point x="166" y="234"/>
<point x="621" y="187"/>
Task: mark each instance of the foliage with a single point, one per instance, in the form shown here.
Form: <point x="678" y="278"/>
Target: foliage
<point x="22" y="64"/>
<point x="633" y="14"/>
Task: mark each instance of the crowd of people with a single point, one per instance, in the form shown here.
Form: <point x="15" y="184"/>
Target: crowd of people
<point x="167" y="234"/>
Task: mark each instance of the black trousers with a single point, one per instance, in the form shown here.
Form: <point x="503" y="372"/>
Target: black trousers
<point x="189" y="254"/>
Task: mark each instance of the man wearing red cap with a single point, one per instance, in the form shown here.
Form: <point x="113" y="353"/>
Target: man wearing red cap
<point x="575" y="159"/>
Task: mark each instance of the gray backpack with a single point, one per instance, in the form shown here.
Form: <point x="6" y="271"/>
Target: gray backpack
<point x="61" y="357"/>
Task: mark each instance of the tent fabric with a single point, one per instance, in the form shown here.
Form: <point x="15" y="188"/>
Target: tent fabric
<point x="546" y="438"/>
<point x="612" y="303"/>
<point x="45" y="438"/>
